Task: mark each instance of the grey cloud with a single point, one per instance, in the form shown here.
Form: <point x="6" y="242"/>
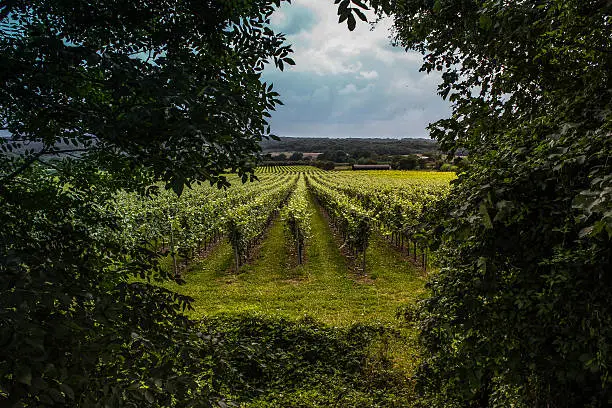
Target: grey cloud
<point x="381" y="94"/>
<point x="295" y="18"/>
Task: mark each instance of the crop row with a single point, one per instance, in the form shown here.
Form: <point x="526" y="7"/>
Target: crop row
<point x="247" y="222"/>
<point x="296" y="217"/>
<point x="396" y="205"/>
<point x="347" y="216"/>
<point x="192" y="222"/>
<point x="356" y="203"/>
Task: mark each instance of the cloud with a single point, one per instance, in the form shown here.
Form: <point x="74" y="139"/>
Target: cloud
<point x="349" y="83"/>
<point x="367" y="75"/>
<point x="293" y="21"/>
<point x="348" y="89"/>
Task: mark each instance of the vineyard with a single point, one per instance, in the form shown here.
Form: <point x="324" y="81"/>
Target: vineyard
<point x="147" y="261"/>
<point x="303" y="274"/>
<point x="358" y="204"/>
<point x="212" y="236"/>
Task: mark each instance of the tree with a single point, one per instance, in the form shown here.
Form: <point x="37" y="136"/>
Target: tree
<point x="407" y="163"/>
<point x="361" y="154"/>
<point x="520" y="313"/>
<point x="324" y="164"/>
<point x="173" y="87"/>
<point x="99" y="96"/>
<point x="340" y="156"/>
<point x="296" y="156"/>
<point x="364" y="160"/>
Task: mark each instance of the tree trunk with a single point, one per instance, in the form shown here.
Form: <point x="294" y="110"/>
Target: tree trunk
<point x="299" y="253"/>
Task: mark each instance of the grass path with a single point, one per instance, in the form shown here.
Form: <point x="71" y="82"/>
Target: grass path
<point x="322" y="288"/>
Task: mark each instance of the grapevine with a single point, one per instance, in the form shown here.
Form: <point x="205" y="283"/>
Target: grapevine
<point x="297" y="218"/>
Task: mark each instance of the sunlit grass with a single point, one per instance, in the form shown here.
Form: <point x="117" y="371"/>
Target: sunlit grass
<point x="322" y="288"/>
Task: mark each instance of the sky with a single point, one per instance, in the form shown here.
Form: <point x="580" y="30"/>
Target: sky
<point x="349" y="84"/>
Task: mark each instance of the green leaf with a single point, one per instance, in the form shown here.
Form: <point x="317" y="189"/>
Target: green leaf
<point x="485" y="22"/>
<point x="149" y="396"/>
<point x="24" y="375"/>
<point x="352" y="23"/>
<point x="177" y="186"/>
<point x="437" y="6"/>
<point x="360" y="14"/>
<point x="486" y="218"/>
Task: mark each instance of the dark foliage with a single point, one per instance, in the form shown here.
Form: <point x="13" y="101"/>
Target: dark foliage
<point x="263" y="362"/>
<point x="521" y="311"/>
<point x="99" y="96"/>
<point x="354" y="147"/>
<point x="73" y="331"/>
<point x="170" y="86"/>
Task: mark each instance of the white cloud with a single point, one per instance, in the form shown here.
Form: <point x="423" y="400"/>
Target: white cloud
<point x="348" y="89"/>
<point x="367" y="75"/>
<point x="278" y="18"/>
<point x="330" y="48"/>
<point x="324" y="93"/>
<point x="352" y="89"/>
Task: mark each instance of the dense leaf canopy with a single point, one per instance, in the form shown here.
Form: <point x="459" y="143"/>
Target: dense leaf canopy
<point x="520" y="314"/>
<point x="170" y="86"/>
<point x="97" y="96"/>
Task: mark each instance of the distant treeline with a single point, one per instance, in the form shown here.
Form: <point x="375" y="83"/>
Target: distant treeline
<point x="352" y="146"/>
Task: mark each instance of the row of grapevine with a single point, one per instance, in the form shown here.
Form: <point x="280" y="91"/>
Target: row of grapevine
<point x="187" y="224"/>
<point x="295" y="169"/>
<point x="347" y="215"/>
<point x="296" y="217"/>
<point x="355" y="202"/>
<point x="397" y="204"/>
<point x="247" y="222"/>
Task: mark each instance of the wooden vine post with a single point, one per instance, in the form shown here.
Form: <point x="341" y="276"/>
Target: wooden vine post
<point x="172" y="246"/>
<point x="364" y="256"/>
<point x="237" y="258"/>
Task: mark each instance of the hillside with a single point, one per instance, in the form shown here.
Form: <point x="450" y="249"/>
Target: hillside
<point x="350" y="145"/>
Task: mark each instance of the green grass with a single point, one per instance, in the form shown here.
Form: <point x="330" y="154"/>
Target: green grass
<point x="322" y="288"/>
<point x="343" y="303"/>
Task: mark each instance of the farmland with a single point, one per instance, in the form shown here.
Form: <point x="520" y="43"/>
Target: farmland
<point x="331" y="229"/>
<point x="288" y="214"/>
<point x="147" y="262"/>
<point x="332" y="252"/>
